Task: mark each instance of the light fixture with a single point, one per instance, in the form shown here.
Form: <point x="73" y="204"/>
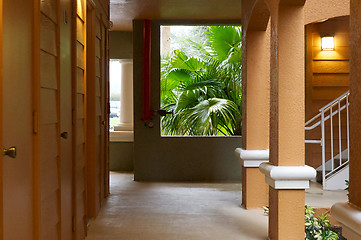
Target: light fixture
<point x="327" y="43"/>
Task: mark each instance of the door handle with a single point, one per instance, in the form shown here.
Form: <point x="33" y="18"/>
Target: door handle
<point x="64" y="135"/>
<point x="163" y="112"/>
<point x="11" y="152"/>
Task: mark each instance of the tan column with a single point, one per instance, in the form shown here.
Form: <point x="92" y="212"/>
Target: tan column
<point x="126" y="97"/>
<point x="349" y="214"/>
<point x="287" y="119"/>
<point x="165" y="47"/>
<point x="355" y="99"/>
<point x="256" y="119"/>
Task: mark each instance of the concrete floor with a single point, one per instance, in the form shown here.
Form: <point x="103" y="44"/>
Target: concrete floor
<point x="316" y="197"/>
<point x="185" y="211"/>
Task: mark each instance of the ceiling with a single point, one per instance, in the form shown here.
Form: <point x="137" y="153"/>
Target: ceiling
<point x="122" y="12"/>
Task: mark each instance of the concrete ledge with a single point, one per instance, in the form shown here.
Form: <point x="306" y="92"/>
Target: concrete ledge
<point x="123" y="127"/>
<point x="290" y="177"/>
<point x="121" y="136"/>
<point x="349" y="216"/>
<point x="252" y="158"/>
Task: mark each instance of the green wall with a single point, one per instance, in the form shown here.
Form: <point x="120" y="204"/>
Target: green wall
<point x="159" y="158"/>
<point x="121" y="156"/>
<point x="120" y="45"/>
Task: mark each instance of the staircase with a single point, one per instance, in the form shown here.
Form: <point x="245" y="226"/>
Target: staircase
<point x="333" y="172"/>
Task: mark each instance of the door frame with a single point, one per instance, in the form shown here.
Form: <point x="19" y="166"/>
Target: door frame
<point x="1" y="124"/>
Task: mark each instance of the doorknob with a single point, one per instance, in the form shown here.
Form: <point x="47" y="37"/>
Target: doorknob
<point x="11" y="152"/>
<point x="163" y="112"/>
<point x="64" y="135"/>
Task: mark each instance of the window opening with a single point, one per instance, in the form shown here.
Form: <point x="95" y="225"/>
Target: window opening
<point x="201" y="80"/>
<point x="115" y="89"/>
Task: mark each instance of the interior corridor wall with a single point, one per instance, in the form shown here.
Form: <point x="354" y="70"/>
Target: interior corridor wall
<point x="174" y="158"/>
<point x="121" y="153"/>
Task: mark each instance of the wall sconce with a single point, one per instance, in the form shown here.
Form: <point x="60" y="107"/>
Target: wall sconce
<point x="327" y="43"/>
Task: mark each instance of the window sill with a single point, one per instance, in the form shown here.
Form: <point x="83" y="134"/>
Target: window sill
<point x="121" y="136"/>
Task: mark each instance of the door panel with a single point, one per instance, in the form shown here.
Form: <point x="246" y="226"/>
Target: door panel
<point x="79" y="121"/>
<point x="17" y="119"/>
<point x="48" y="136"/>
<point x="66" y="120"/>
<point x="96" y="114"/>
<point x="43" y="189"/>
<point x="105" y="121"/>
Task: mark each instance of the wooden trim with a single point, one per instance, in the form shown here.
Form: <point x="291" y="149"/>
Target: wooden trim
<point x="91" y="112"/>
<point x="79" y="230"/>
<point x="58" y="100"/>
<point x="1" y="124"/>
<point x="106" y="114"/>
<point x="36" y="108"/>
<point x="74" y="107"/>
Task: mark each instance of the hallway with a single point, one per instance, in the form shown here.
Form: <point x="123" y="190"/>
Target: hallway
<point x="175" y="211"/>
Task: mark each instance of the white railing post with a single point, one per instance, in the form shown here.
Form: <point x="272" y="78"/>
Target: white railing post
<point x="339" y="134"/>
<point x="323" y="148"/>
<point x="348" y="129"/>
<point x="326" y="113"/>
<point x="331" y="126"/>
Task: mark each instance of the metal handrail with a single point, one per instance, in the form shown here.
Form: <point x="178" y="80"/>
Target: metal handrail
<point x="327" y="113"/>
<point x="326" y="118"/>
<point x="334" y="102"/>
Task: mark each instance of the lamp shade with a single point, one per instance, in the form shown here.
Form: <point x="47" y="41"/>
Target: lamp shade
<point x="327" y="43"/>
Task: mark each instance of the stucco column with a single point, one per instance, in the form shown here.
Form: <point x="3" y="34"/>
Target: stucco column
<point x="355" y="99"/>
<point x="349" y="214"/>
<point x="165" y="48"/>
<point x="287" y="146"/>
<point x="126" y="97"/>
<point x="256" y="84"/>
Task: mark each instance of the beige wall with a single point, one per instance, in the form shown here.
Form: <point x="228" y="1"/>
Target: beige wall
<point x="319" y="10"/>
<point x="286" y="103"/>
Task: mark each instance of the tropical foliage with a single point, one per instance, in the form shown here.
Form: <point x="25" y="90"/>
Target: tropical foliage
<point x="317" y="228"/>
<point x="204" y="92"/>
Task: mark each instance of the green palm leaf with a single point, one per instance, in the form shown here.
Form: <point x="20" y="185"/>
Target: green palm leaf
<point x="204" y="91"/>
<point x="225" y="42"/>
<point x="208" y="114"/>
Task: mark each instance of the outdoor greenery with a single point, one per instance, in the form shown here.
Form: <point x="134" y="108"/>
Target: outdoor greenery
<point x="203" y="90"/>
<point x="316" y="228"/>
<point x="348" y="186"/>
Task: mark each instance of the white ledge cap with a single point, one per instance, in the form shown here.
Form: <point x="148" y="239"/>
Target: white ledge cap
<point x="252" y="158"/>
<point x="287" y="173"/>
<point x="287" y="177"/>
<point x="252" y="154"/>
<point x="349" y="215"/>
<point x="121" y="136"/>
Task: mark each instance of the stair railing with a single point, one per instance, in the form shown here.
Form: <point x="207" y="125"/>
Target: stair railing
<point x="327" y="113"/>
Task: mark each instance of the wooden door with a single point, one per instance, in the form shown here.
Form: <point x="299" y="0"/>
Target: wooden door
<point x="79" y="119"/>
<point x="92" y="149"/>
<point x="47" y="154"/>
<point x="66" y="120"/>
<point x="17" y="173"/>
<point x="1" y="125"/>
<point x="96" y="111"/>
<point x="102" y="56"/>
